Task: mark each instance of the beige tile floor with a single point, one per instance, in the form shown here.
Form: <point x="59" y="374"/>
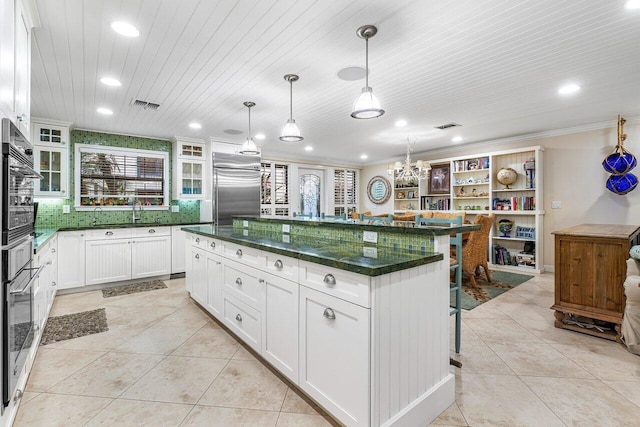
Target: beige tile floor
<point x="164" y="362"/>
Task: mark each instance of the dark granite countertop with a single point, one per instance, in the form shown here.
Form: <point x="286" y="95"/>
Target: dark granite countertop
<point x="407" y="227"/>
<point x="362" y="258"/>
<point x="43" y="235"/>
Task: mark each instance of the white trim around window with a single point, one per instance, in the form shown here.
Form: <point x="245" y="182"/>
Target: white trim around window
<point x="142" y="175"/>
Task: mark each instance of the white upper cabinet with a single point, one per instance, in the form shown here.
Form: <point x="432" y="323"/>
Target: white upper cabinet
<point x="17" y="18"/>
<point x="189" y="168"/>
<point x="50" y="140"/>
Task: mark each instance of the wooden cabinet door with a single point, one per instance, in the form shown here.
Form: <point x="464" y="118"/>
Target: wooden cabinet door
<point x="150" y="256"/>
<point x="197" y="280"/>
<point x="7" y="52"/>
<point x="214" y="281"/>
<point x="334" y="355"/>
<point x="71" y="259"/>
<point x="108" y="261"/>
<point x="178" y="249"/>
<point x="53" y="164"/>
<point x="280" y="324"/>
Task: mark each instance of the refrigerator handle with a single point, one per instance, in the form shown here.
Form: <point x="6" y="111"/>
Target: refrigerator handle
<point x="215" y="197"/>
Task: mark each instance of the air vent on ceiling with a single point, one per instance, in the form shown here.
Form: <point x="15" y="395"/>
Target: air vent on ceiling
<point x="146" y="105"/>
<point x="447" y="126"/>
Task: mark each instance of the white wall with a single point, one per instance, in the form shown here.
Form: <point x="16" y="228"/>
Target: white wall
<point x="573" y="175"/>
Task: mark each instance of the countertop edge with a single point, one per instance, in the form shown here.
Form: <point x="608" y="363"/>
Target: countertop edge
<point x="368" y="271"/>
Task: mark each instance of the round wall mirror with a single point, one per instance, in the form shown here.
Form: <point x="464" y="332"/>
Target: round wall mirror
<point x="379" y="189"/>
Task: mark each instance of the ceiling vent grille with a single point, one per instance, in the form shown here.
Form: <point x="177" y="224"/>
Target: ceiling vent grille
<point x="447" y="126"/>
<point x="145" y="105"/>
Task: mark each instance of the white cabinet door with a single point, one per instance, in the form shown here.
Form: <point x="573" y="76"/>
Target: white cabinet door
<point x="7" y="51"/>
<point x="108" y="261"/>
<point x="334" y="355"/>
<point x="150" y="256"/>
<point x="22" y="69"/>
<point x="197" y="283"/>
<point x="280" y="325"/>
<point x="214" y="279"/>
<point x="178" y="249"/>
<point x="71" y="259"/>
<point x="53" y="165"/>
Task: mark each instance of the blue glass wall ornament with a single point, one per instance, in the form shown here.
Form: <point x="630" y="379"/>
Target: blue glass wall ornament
<point x="622" y="184"/>
<point x="619" y="163"/>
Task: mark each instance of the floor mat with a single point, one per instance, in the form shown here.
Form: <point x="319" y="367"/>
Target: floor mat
<point x="74" y="325"/>
<point x="133" y="288"/>
<point x="501" y="282"/>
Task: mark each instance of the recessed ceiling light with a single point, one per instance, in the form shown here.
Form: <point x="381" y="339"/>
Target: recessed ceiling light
<point x="401" y="123"/>
<point x="632" y="4"/>
<point x="456" y="139"/>
<point x="308" y="148"/>
<point x="260" y="136"/>
<point x="364" y="157"/>
<point x="110" y="81"/>
<point x="569" y="89"/>
<point x="125" y="29"/>
<point x="105" y="111"/>
<point x="194" y="125"/>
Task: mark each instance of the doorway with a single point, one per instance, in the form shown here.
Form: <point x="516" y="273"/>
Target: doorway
<point x="311" y="191"/>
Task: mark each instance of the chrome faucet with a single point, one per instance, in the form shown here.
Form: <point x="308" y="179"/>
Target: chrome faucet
<point x="137" y="218"/>
<point x="95" y="216"/>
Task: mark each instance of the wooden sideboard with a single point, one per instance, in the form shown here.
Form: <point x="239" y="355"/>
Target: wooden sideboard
<point x="590" y="269"/>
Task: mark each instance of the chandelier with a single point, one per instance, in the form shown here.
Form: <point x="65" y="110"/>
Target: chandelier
<point x="406" y="174"/>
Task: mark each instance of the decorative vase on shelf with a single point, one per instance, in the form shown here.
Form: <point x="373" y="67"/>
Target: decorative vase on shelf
<point x="506" y="177"/>
<point x="505" y="226"/>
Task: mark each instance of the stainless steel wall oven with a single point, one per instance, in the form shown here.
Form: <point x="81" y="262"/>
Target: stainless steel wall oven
<point x="18" y="274"/>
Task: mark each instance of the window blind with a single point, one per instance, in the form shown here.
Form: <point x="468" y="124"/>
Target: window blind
<point x="117" y="178"/>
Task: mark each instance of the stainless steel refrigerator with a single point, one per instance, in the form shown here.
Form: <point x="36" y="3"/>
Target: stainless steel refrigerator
<point x="236" y="186"/>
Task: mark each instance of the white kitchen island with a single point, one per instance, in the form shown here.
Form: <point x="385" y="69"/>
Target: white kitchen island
<point x="361" y="329"/>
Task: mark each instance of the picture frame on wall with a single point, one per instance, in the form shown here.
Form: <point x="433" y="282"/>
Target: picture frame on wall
<point x="439" y="179"/>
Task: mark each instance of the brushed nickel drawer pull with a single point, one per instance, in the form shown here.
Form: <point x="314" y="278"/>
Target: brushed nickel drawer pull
<point x="260" y="280"/>
<point x="239" y="252"/>
<point x="238" y="317"/>
<point x="197" y="256"/>
<point x="53" y="251"/>
<point x="109" y="233"/>
<point x="329" y="313"/>
<point x="197" y="240"/>
<point x="278" y="264"/>
<point x="330" y="279"/>
<point x="152" y="231"/>
<point x="213" y="245"/>
<point x="239" y="281"/>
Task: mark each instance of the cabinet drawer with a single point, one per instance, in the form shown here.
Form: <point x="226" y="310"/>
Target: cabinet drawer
<point x="151" y="231"/>
<point x="106" y="234"/>
<point x="282" y="266"/>
<point x="199" y="241"/>
<point x="243" y="254"/>
<point x="243" y="283"/>
<point x="243" y="320"/>
<point x="349" y="286"/>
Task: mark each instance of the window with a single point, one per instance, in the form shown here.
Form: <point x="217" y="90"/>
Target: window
<point x="274" y="194"/>
<point x="345" y="198"/>
<point x="117" y="177"/>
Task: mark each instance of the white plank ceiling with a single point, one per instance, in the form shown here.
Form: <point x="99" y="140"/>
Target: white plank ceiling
<point x="493" y="66"/>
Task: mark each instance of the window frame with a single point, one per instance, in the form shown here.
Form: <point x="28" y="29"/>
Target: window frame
<point x="345" y="207"/>
<point x="273" y="208"/>
<point x="104" y="149"/>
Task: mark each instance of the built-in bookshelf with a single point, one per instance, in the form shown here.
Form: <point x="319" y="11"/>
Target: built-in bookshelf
<point x="474" y="189"/>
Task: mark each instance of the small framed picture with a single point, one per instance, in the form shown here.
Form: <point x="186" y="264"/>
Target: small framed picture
<point x="410" y="195"/>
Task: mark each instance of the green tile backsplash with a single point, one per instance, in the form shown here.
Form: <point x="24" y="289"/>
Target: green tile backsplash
<point x="50" y="210"/>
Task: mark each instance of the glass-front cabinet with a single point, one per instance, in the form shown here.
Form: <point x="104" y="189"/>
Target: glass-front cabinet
<point x="51" y="156"/>
<point x="189" y="168"/>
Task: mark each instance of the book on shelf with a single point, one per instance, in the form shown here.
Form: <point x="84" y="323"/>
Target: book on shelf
<point x="526" y="260"/>
<point x="471" y="164"/>
<point x="522" y="203"/>
<point x="502" y="256"/>
<point x="440" y="205"/>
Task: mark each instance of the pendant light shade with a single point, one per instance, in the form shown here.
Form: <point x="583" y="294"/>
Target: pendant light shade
<point x="366" y="105"/>
<point x="290" y="131"/>
<point x="249" y="146"/>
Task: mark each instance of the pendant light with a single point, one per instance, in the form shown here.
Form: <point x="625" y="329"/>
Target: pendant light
<point x="367" y="105"/>
<point x="249" y="146"/>
<point x="290" y="131"/>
